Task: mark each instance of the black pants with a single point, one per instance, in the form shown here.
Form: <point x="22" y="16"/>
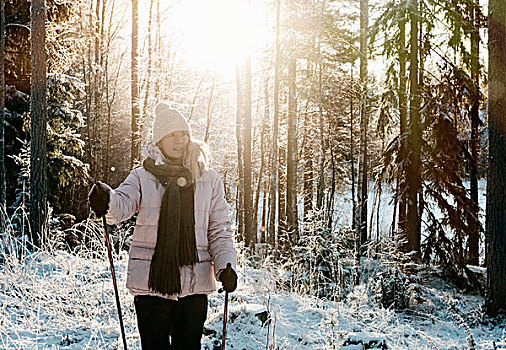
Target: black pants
<point x="169" y="324"/>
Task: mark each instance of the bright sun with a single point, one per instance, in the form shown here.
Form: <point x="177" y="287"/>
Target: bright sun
<point x="219" y="33"/>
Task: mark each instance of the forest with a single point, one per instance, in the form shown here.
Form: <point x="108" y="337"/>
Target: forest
<point x="361" y="145"/>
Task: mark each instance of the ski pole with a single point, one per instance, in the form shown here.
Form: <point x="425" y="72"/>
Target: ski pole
<point x="225" y="314"/>
<point x="225" y="322"/>
<point x="109" y="253"/>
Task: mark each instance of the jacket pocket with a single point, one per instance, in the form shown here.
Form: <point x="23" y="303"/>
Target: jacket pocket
<point x="141" y="253"/>
<point x="198" y="279"/>
<point x="139" y="262"/>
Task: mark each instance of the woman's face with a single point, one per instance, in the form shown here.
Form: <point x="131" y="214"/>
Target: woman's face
<point x="174" y="145"/>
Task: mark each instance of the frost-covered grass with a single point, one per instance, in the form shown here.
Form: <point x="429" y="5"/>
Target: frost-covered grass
<point x="440" y="318"/>
<point x="52" y="299"/>
<point x="56" y="299"/>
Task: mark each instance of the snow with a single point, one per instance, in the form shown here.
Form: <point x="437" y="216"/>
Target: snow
<point x="61" y="300"/>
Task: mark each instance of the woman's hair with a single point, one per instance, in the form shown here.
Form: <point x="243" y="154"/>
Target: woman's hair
<point x="197" y="158"/>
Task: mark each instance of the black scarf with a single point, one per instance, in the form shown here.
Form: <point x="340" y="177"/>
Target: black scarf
<point x="175" y="244"/>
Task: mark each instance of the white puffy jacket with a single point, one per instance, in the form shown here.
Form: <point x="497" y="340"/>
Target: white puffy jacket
<point x="142" y="192"/>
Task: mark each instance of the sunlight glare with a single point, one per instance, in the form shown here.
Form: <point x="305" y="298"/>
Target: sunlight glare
<point x="219" y="33"/>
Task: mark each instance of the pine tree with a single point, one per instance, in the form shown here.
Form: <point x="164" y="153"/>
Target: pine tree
<point x="291" y="155"/>
<point x="38" y="112"/>
<point x="320" y="187"/>
<point x="240" y="164"/>
<point x="249" y="226"/>
<point x="274" y="181"/>
<point x="474" y="234"/>
<point x="361" y="224"/>
<point x="414" y="138"/>
<point x="403" y="114"/>
<point x="496" y="192"/>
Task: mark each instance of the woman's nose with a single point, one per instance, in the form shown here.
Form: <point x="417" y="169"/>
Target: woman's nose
<point x="180" y="138"/>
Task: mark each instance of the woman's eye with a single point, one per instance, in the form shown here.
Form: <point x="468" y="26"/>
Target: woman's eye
<point x="182" y="135"/>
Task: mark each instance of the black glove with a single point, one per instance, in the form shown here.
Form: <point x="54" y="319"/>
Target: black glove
<point x="229" y="279"/>
<point x="99" y="199"/>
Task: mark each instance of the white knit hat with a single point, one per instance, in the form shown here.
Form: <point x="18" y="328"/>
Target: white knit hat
<point x="167" y="120"/>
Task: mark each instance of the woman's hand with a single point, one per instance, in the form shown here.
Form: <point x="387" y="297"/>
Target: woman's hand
<point x="229" y="279"/>
<point x="99" y="199"/>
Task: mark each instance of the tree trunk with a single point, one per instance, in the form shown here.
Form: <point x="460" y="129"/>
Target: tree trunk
<point x="363" y="161"/>
<point x="291" y="156"/>
<point x="403" y="113"/>
<point x="308" y="168"/>
<point x="320" y="186"/>
<point x="264" y="212"/>
<point x="135" y="137"/>
<point x="323" y="151"/>
<point x="109" y="100"/>
<point x="3" y="192"/>
<point x="240" y="163"/>
<point x="158" y="49"/>
<point x="196" y="94"/>
<point x="260" y="178"/>
<point x="283" y="238"/>
<point x="210" y="109"/>
<point x="87" y="77"/>
<point x="110" y="91"/>
<point x="332" y="192"/>
<point x="38" y="116"/>
<point x="474" y="234"/>
<point x="275" y="130"/>
<point x="352" y="149"/>
<point x="266" y="162"/>
<point x="249" y="233"/>
<point x="496" y="190"/>
<point x="106" y="91"/>
<point x="97" y="91"/>
<point x="414" y="139"/>
<point x="109" y="118"/>
<point x="149" y="69"/>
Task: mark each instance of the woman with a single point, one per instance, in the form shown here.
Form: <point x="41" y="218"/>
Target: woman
<point x="182" y="240"/>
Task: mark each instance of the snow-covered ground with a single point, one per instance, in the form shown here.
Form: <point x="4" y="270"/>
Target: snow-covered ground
<point x="62" y="300"/>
